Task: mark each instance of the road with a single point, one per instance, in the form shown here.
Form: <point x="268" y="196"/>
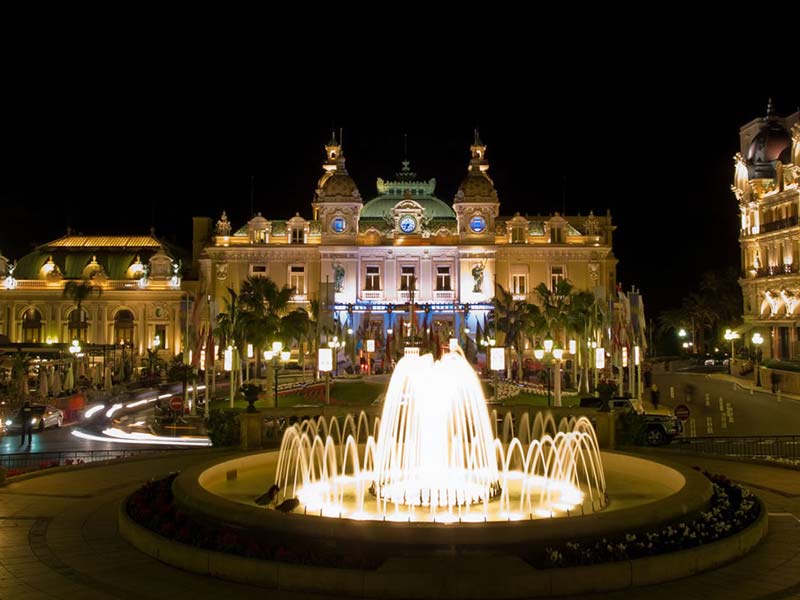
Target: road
<point x="718" y="408"/>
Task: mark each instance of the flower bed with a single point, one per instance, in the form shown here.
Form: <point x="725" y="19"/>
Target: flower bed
<point x="152" y="506"/>
<point x="733" y="508"/>
<point x="5" y="473"/>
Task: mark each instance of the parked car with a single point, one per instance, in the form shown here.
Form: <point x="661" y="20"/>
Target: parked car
<point x="43" y="417"/>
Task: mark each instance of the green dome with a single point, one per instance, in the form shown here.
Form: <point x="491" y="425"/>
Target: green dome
<point x="434" y="208"/>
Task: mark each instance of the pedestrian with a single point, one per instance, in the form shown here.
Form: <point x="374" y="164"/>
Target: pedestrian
<point x="25" y="416"/>
<point x="654" y="395"/>
<point x="774" y="380"/>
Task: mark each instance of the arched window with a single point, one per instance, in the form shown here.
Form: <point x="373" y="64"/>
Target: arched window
<point x="32" y="326"/>
<point x="77" y="325"/>
<point x="123" y="327"/>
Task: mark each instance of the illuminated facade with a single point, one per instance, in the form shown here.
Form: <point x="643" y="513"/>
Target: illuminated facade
<point x="369" y="260"/>
<point x="140" y="298"/>
<point x="766" y="179"/>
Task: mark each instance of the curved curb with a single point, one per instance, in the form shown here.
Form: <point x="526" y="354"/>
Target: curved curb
<point x="450" y="577"/>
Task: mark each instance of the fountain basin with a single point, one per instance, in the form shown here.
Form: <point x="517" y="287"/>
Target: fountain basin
<point x="641" y="493"/>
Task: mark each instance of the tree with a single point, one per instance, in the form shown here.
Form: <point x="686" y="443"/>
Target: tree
<point x="264" y="304"/>
<point x="79" y="292"/>
<point x="514" y="318"/>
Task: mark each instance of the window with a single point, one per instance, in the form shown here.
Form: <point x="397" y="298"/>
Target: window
<point x="408" y="276"/>
<point x="260" y="236"/>
<point x="77" y="325"/>
<point x="519" y="284"/>
<point x="297" y="278"/>
<point x="556" y="235"/>
<point x="258" y="270"/>
<point x="518" y="234"/>
<point x="123" y="327"/>
<point x="32" y="326"/>
<point x="373" y="282"/>
<point x="556" y="275"/>
<point x="298" y="235"/>
<point x="443" y="279"/>
<point x="160" y="337"/>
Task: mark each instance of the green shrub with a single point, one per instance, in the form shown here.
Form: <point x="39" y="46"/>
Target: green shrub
<point x="223" y="427"/>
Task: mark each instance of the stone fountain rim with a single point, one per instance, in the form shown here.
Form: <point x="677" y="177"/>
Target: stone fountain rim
<point x="693" y="496"/>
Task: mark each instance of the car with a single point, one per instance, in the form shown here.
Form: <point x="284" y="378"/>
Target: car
<point x="43" y="417"/>
<point x="654" y="429"/>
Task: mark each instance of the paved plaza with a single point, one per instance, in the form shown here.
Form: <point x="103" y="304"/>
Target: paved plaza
<point x="58" y="539"/>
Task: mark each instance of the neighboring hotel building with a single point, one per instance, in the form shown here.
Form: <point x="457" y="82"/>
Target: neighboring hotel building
<point x="141" y="297"/>
<point x="766" y="181"/>
<point x="370" y="252"/>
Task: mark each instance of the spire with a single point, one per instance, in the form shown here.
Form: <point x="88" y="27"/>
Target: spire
<point x="334" y="154"/>
<point x="478" y="151"/>
<point x="770" y="110"/>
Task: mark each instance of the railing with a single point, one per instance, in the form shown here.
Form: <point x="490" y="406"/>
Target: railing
<point x="776" y="446"/>
<point x="780" y="224"/>
<point x="775" y="270"/>
<point x="444" y="295"/>
<point x="372" y="294"/>
<point x="43" y="460"/>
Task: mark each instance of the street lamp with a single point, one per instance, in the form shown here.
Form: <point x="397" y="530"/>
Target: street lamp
<point x="497" y="363"/>
<point x="334" y="344"/>
<point x="551" y="357"/>
<point x="731" y="336"/>
<point x="277" y="355"/>
<point x="757" y="339"/>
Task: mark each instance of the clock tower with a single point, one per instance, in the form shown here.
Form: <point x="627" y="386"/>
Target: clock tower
<point x="337" y="202"/>
<point x="476" y="204"/>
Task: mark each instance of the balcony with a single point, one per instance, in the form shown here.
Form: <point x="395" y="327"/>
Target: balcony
<point x="444" y="295"/>
<point x="776" y="225"/>
<point x="773" y="270"/>
<point x="372" y="294"/>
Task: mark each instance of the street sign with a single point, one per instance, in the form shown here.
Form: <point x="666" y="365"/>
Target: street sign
<point x="682" y="412"/>
<point x="176" y="403"/>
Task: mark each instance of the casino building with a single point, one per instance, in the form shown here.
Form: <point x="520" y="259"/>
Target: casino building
<point x="405" y="252"/>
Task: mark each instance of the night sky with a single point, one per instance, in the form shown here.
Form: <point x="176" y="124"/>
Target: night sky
<point x="658" y="155"/>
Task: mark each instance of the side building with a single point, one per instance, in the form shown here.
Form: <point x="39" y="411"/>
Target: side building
<point x="406" y="257"/>
<point x="136" y="300"/>
<point x="766" y="180"/>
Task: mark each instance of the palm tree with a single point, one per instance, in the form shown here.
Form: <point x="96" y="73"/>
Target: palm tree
<point x="231" y="330"/>
<point x="79" y="292"/>
<point x="581" y="321"/>
<point x="514" y="318"/>
<point x="265" y="303"/>
<point x="556" y="307"/>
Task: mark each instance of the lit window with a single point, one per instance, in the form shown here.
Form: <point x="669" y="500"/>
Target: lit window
<point x="556" y="275"/>
<point x="297" y="279"/>
<point x="298" y="235"/>
<point x="443" y="278"/>
<point x="519" y="284"/>
<point x="518" y="235"/>
<point x="161" y="336"/>
<point x="408" y="275"/>
<point x="373" y="281"/>
<point x="258" y="270"/>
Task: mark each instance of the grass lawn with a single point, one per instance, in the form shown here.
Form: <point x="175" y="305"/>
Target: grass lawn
<point x="352" y="393"/>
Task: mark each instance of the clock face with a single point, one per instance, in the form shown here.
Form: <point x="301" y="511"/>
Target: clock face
<point x="477" y="224"/>
<point x="338" y="224"/>
<point x="408" y="224"/>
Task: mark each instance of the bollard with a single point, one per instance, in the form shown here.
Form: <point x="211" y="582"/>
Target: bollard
<point x="751" y="390"/>
<point x="778" y="394"/>
<point x="672" y="393"/>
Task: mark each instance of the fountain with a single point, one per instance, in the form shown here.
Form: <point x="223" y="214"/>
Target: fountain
<point x="434" y="455"/>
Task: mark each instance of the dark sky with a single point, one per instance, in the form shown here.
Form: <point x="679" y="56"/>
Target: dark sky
<point x="657" y="152"/>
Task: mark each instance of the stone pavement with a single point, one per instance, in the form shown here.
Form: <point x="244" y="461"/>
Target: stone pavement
<point x="58" y="539"/>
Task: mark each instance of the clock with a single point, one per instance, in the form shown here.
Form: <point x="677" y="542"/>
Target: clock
<point x="408" y="224"/>
<point x="338" y="224"/>
<point x="477" y="224"/>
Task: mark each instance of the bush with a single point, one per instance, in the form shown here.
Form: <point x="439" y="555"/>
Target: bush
<point x="223" y="427"/>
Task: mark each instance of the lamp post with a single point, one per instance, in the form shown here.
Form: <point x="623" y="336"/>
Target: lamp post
<point x="757" y="339"/>
<point x="488" y="343"/>
<point x="731" y="336"/>
<point x="277" y="355"/>
<point x="334" y="344"/>
<point x="551" y="357"/>
<point x="228" y="366"/>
